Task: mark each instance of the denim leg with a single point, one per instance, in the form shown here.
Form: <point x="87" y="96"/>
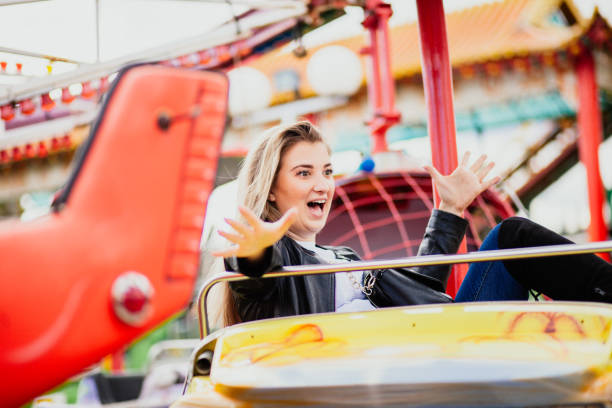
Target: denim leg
<point x="490" y="280"/>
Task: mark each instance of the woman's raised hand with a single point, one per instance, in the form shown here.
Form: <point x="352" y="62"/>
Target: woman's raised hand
<point x="464" y="184"/>
<point x="252" y="239"/>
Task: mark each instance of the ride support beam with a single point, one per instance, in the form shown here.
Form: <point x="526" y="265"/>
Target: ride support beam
<point x="590" y="137"/>
<point x="438" y="86"/>
<point x="381" y="87"/>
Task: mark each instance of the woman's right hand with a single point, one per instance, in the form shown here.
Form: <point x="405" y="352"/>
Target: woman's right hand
<point x="252" y="239"/>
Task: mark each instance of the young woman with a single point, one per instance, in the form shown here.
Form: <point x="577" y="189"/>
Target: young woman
<point x="285" y="192"/>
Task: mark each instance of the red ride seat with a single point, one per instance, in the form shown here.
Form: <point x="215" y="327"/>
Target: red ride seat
<point x="135" y="203"/>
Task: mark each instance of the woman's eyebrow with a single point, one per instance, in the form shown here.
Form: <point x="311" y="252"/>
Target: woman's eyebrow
<point x="308" y="166"/>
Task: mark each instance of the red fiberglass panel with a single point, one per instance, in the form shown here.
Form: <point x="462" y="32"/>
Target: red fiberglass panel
<point x="135" y="204"/>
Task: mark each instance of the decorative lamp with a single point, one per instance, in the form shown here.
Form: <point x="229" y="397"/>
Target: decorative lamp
<point x="27" y="106"/>
<point x="19" y="67"/>
<point x="54" y="144"/>
<point x="103" y="84"/>
<point x="244" y="50"/>
<point x="7" y="112"/>
<point x="205" y="57"/>
<point x="66" y="142"/>
<point x="194" y="58"/>
<point x="87" y="91"/>
<point x="3" y="65"/>
<point x="189" y="60"/>
<point x="131" y="295"/>
<point x="67" y="97"/>
<point x="75" y="89"/>
<point x="185" y="61"/>
<point x="46" y="103"/>
<point x="334" y="70"/>
<point x="29" y="151"/>
<point x="42" y="149"/>
<point x="249" y="90"/>
<point x="223" y="54"/>
<point x="16" y="156"/>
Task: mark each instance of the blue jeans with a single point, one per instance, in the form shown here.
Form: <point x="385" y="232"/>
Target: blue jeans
<point x="490" y="280"/>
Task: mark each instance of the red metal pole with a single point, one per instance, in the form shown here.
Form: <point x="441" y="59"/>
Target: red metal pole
<point x="381" y="87"/>
<point x="438" y="86"/>
<point x="374" y="88"/>
<point x="590" y="136"/>
<point x="387" y="84"/>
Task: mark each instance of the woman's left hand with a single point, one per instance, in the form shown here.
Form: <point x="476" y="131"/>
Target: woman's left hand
<point x="463" y="185"/>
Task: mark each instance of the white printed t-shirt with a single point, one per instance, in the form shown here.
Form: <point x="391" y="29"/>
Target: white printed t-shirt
<point x="348" y="298"/>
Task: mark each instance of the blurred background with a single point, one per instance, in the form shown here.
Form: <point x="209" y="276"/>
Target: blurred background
<point x="514" y="97"/>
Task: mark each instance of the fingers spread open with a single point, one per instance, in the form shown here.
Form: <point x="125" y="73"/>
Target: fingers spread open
<point x="484" y="170"/>
<point x="433" y="172"/>
<point x="287" y="219"/>
<point x="478" y="163"/>
<point x="466" y="159"/>
<point x="491" y="182"/>
<point x="241" y="228"/>
<point x="234" y="238"/>
<point x="248" y="215"/>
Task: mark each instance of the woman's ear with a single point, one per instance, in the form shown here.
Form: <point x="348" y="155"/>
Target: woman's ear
<point x="271" y="197"/>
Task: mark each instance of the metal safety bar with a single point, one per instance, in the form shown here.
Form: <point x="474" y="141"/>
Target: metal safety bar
<point x="478" y="256"/>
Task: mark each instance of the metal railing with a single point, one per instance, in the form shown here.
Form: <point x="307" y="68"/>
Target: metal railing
<point x="412" y="261"/>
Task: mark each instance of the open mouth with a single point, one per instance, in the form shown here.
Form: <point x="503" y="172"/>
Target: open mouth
<point x="316" y="204"/>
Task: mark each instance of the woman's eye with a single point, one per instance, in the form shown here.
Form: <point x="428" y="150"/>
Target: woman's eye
<point x="303" y="173"/>
<point x="328" y="172"/>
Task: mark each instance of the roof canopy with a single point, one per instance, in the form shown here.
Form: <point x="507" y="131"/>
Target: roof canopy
<point x="479" y="39"/>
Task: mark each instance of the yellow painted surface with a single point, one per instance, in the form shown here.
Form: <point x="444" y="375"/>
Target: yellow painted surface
<point x="201" y="393"/>
<point x="552" y="352"/>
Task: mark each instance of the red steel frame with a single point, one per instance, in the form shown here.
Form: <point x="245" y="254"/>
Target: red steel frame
<point x="590" y="136"/>
<point x="381" y="88"/>
<point x="438" y="86"/>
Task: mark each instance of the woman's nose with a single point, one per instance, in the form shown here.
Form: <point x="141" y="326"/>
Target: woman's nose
<point x="322" y="185"/>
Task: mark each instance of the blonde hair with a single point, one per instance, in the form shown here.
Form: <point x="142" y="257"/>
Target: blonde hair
<point x="257" y="177"/>
<point x="260" y="167"/>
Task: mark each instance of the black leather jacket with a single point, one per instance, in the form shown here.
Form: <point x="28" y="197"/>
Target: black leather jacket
<point x="260" y="298"/>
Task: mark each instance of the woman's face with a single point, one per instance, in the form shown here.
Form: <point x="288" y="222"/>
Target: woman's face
<point x="305" y="181"/>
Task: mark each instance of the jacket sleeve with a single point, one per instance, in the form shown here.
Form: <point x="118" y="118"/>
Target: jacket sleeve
<point x="443" y="235"/>
<point x="256" y="288"/>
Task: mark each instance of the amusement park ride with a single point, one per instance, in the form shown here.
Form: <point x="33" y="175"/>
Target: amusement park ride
<point x="119" y="253"/>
